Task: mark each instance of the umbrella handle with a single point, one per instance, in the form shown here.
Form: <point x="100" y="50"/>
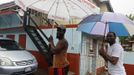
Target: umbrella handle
<point x="103" y="41"/>
<point x="104" y="35"/>
<point x="102" y="44"/>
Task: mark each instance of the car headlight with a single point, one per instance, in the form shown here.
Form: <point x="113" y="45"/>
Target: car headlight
<point x="5" y="62"/>
<point x="34" y="60"/>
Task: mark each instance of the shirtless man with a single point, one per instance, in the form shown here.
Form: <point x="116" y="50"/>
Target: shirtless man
<point x="60" y="61"/>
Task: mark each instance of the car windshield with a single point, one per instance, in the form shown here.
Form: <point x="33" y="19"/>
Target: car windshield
<point x="9" y="45"/>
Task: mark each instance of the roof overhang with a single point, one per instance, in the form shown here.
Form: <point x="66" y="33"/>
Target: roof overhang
<point x="7" y="5"/>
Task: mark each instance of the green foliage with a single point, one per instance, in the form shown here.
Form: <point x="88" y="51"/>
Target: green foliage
<point x="123" y="39"/>
<point x="126" y="39"/>
<point x="130" y="16"/>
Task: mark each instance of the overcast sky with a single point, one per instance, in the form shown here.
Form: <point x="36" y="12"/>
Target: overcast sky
<point x="120" y="6"/>
<point x="4" y="1"/>
<point x="123" y="6"/>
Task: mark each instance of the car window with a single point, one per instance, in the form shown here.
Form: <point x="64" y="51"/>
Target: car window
<point x="9" y="45"/>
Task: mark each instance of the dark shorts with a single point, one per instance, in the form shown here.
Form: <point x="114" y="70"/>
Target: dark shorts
<point x="61" y="71"/>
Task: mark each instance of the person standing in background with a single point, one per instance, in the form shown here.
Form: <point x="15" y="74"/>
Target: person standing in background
<point x="60" y="62"/>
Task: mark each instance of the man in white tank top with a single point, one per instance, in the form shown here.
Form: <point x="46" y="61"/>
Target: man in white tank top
<point x="113" y="56"/>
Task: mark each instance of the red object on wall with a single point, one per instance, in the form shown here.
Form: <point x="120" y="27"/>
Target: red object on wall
<point x="60" y="71"/>
<point x="22" y="40"/>
<point x="74" y="60"/>
<point x="42" y="64"/>
<point x="11" y="36"/>
<point x="129" y="69"/>
<point x="50" y="71"/>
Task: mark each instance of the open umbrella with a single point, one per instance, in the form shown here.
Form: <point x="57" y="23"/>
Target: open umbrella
<point x="101" y="24"/>
<point x="60" y="9"/>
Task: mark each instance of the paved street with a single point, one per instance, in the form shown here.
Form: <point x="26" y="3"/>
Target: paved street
<point x="42" y="72"/>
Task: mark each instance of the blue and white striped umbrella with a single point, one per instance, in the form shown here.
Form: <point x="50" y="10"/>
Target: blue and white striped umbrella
<point x="101" y="24"/>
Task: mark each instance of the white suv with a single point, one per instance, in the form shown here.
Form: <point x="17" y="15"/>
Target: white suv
<point x="15" y="60"/>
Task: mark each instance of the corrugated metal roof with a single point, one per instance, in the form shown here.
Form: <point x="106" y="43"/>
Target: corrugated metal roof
<point x="6" y="12"/>
<point x="7" y="5"/>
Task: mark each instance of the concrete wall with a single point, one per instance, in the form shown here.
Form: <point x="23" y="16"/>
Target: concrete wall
<point x="129" y="62"/>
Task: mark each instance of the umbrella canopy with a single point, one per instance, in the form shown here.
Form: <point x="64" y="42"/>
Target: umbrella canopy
<point x="60" y="9"/>
<point x="101" y="24"/>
